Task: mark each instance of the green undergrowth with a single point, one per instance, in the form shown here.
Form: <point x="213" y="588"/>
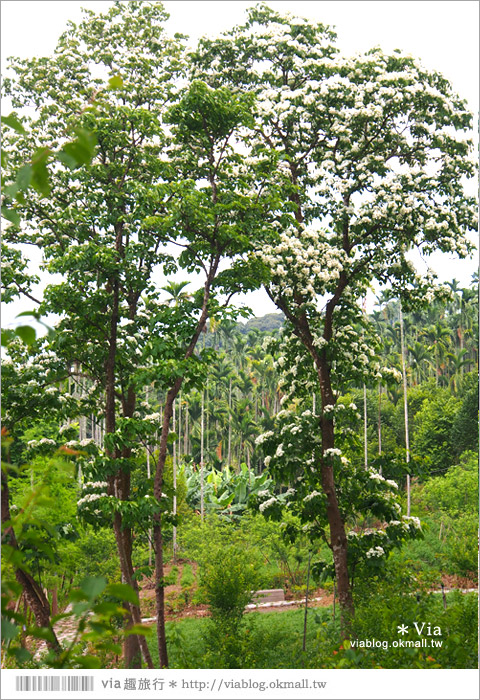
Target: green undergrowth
<point x="275" y="639"/>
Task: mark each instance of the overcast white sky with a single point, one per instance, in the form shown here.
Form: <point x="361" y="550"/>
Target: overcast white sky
<point x="444" y="35"/>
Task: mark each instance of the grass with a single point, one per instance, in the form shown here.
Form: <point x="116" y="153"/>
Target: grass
<point x="273" y="639"/>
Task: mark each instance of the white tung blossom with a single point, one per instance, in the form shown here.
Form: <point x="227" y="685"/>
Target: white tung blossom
<point x="266" y="504"/>
<point x="413" y="520"/>
<point x="264" y="436"/>
<point x="90" y="497"/>
<point x="375" y="552"/>
<point x="332" y="452"/>
<point x="309" y="496"/>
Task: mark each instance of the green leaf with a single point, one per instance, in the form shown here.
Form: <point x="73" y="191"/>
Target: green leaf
<point x="14" y="123"/>
<point x="80" y="151"/>
<point x="41" y="633"/>
<point x="115" y="83"/>
<point x="11" y="215"/>
<point x="40" y="174"/>
<point x="139" y="629"/>
<point x="22" y="655"/>
<point x="123" y="591"/>
<point x="33" y="313"/>
<point x="88" y="662"/>
<point x="24" y="177"/>
<point x="7" y="336"/>
<point x="67" y="159"/>
<point x="80" y="608"/>
<point x="93" y="586"/>
<point x="26" y="333"/>
<point x="9" y="630"/>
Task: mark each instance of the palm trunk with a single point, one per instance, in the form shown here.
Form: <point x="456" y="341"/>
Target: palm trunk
<point x="229" y="456"/>
<point x="365" y="442"/>
<point x="202" y="431"/>
<point x="380" y="420"/>
<point x="405" y="406"/>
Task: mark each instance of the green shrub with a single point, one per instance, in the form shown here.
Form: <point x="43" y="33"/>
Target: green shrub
<point x="228" y="578"/>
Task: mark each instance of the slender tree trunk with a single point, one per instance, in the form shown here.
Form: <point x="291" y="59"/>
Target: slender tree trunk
<point x="202" y="431"/>
<point x="160" y="469"/>
<point x="365" y="435"/>
<point x="186" y="440"/>
<point x="174" y="466"/>
<point x="119" y="485"/>
<point x="380" y="421"/>
<point x="229" y="456"/>
<point x="405" y="406"/>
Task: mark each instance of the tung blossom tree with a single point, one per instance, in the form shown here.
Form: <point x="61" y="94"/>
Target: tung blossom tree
<point x="371" y="157"/>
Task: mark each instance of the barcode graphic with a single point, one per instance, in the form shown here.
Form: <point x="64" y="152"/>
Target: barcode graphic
<point x="52" y="683"/>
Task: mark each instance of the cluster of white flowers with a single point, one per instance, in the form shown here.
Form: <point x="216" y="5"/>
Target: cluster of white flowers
<point x="266" y="504"/>
<point x="80" y="443"/>
<point x="411" y="519"/>
<point x="332" y="452"/>
<point x="264" y="436"/>
<point x="90" y="497"/>
<point x="279" y="451"/>
<point x="153" y="417"/>
<point x="95" y="485"/>
<point x="392" y="372"/>
<point x="267" y="460"/>
<point x="38" y="443"/>
<point x="375" y="476"/>
<point x="391" y="483"/>
<point x="309" y="496"/>
<point x="312" y="265"/>
<point x="375" y="552"/>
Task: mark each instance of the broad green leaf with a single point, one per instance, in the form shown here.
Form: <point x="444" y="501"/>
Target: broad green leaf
<point x="67" y="159"/>
<point x="33" y="313"/>
<point x="41" y="633"/>
<point x="26" y="333"/>
<point x="14" y="122"/>
<point x="9" y="630"/>
<point x="11" y="215"/>
<point x="22" y="655"/>
<point x="88" y="662"/>
<point x="80" y="608"/>
<point x="123" y="591"/>
<point x="24" y="177"/>
<point x="139" y="629"/>
<point x="93" y="585"/>
<point x="40" y="174"/>
<point x="7" y="336"/>
<point x="80" y="151"/>
<point x="115" y="83"/>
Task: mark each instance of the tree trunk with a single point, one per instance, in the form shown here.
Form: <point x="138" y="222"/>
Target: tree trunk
<point x="338" y="538"/>
<point x="202" y="432"/>
<point x="229" y="452"/>
<point x="405" y="406"/>
<point x="157" y="528"/>
<point x="160" y="469"/>
<point x="119" y="486"/>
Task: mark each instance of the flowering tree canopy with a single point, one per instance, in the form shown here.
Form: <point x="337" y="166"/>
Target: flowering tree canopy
<point x="371" y="154"/>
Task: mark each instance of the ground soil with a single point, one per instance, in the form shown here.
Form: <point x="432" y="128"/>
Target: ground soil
<point x="176" y="609"/>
